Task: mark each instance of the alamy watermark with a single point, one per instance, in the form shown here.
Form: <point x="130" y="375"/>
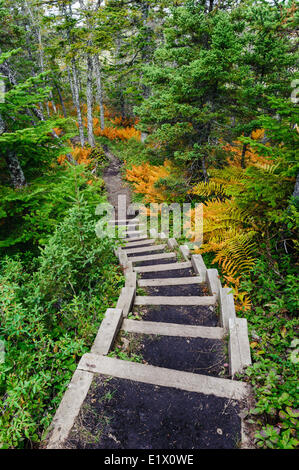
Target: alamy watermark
<point x="172" y="220"/>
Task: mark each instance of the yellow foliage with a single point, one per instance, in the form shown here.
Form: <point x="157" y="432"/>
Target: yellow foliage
<point x="144" y="178"/>
<point x="242" y="300"/>
<point x="258" y="134"/>
<point x="225" y="234"/>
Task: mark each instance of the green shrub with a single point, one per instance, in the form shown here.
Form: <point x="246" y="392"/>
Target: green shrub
<point x="272" y="329"/>
<point x="49" y="319"/>
<point x="29" y="216"/>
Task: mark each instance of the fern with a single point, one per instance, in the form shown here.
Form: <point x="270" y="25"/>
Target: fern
<point x="228" y="232"/>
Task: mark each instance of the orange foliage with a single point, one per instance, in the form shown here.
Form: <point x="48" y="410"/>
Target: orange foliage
<point x="251" y="157"/>
<point x="124" y="122"/>
<point x="57" y="131"/>
<point x="81" y="155"/>
<point x="113" y="133"/>
<point x="144" y="178"/>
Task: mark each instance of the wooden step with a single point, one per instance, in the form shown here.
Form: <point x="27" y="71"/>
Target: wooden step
<point x="163" y="377"/>
<point x="172" y="281"/>
<point x="134" y="233"/>
<point x="182" y="300"/>
<point x="137" y="259"/>
<point x="145" y="248"/>
<point x="127" y="226"/>
<point x="163" y="267"/>
<point x="123" y="221"/>
<point x="134" y="239"/>
<point x="147" y="241"/>
<point x="172" y="329"/>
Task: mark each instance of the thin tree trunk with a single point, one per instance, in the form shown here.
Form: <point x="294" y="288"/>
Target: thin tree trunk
<point x="16" y="173"/>
<point x="61" y="100"/>
<point x="204" y="169"/>
<point x="146" y="49"/>
<point x="71" y="82"/>
<point x="98" y="75"/>
<point x="38" y="34"/>
<point x="296" y="188"/>
<point x="244" y="150"/>
<point x="89" y="98"/>
<point x="76" y="95"/>
<point x="77" y="103"/>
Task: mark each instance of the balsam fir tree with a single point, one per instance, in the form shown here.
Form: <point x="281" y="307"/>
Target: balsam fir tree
<point x="23" y="135"/>
<point x="192" y="80"/>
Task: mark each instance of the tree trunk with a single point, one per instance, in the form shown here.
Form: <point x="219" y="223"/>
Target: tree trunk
<point x="76" y="96"/>
<point x="61" y="100"/>
<point x="146" y="49"/>
<point x="97" y="69"/>
<point x="244" y="150"/>
<point x="77" y="103"/>
<point x="296" y="188"/>
<point x="16" y="173"/>
<point x="71" y="83"/>
<point x="204" y="170"/>
<point x="53" y="102"/>
<point x="89" y="98"/>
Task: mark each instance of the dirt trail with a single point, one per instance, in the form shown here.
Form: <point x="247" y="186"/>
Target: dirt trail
<point x="115" y="185"/>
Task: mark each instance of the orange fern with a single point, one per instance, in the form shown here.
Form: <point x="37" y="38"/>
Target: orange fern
<point x="144" y="178"/>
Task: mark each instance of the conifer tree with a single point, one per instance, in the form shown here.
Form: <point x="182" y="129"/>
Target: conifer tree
<point x="192" y="81"/>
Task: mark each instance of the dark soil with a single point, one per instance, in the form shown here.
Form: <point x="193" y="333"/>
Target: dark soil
<point x="198" y="355"/>
<point x="188" y="315"/>
<point x="145" y="253"/>
<point x="115" y="186"/>
<point x="180" y="290"/>
<point x="138" y="246"/>
<point x="167" y="274"/>
<point x="121" y="414"/>
<point x="154" y="262"/>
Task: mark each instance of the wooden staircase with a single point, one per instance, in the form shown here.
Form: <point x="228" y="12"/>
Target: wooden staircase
<point x="189" y="306"/>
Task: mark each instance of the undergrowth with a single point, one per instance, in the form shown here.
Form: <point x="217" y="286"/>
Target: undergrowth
<point x="50" y="311"/>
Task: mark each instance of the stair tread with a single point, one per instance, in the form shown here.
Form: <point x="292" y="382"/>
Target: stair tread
<point x="117" y="221"/>
<point x="137" y="259"/>
<point x="160" y="376"/>
<point x="145" y="249"/>
<point x="172" y="329"/>
<point x="146" y="241"/>
<point x="134" y="239"/>
<point x="171" y="281"/>
<point x="174" y="300"/>
<point x="163" y="267"/>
